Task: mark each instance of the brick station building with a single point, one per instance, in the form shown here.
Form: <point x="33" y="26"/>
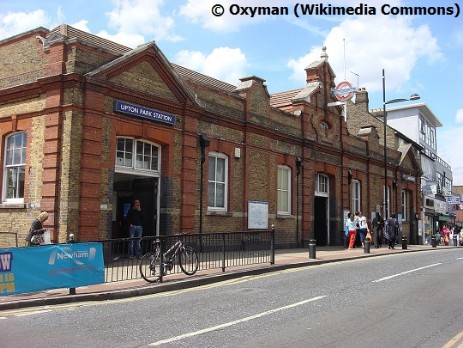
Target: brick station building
<point x="87" y="125"/>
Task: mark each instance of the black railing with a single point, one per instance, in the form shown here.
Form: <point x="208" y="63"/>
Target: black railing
<point x="215" y="251"/>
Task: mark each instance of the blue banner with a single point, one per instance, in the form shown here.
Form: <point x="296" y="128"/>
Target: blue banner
<point x="141" y="111"/>
<point x="46" y="267"/>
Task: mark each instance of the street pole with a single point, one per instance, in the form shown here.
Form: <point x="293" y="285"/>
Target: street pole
<point x="385" y="148"/>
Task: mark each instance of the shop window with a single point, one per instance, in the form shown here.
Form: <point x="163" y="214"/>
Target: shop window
<point x="284" y="190"/>
<point x="137" y="155"/>
<point x="217" y="182"/>
<point x="14" y="168"/>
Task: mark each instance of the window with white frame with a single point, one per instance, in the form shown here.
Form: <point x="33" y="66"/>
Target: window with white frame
<point x="14" y="168"/>
<point x="284" y="190"/>
<point x="404" y="205"/>
<point x="322" y="186"/>
<point x="356" y="196"/>
<point x="139" y="155"/>
<point x="389" y="200"/>
<point x="217" y="182"/>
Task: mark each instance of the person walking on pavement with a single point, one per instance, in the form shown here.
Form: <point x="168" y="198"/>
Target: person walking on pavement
<point x="351" y="230"/>
<point x="377" y="224"/>
<point x="135" y="219"/>
<point x="363" y="227"/>
<point x="392" y="231"/>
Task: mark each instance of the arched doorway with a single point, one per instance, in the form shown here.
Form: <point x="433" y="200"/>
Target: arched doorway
<point x="136" y="176"/>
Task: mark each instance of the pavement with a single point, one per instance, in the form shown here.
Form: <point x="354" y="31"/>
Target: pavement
<point x="284" y="259"/>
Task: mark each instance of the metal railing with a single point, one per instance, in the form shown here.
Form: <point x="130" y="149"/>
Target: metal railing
<point x="214" y="250"/>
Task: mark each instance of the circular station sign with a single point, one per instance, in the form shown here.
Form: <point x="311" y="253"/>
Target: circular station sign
<point x="344" y="91"/>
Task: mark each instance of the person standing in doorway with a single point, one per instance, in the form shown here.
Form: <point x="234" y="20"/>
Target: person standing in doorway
<point x="135" y="218"/>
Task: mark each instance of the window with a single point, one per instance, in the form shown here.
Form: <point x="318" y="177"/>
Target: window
<point x="146" y="155"/>
<point x="217" y="182"/>
<point x="324" y="125"/>
<point x="356" y="196"/>
<point x="386" y="213"/>
<point x="404" y="205"/>
<point x="322" y="184"/>
<point x="284" y="190"/>
<point x="14" y="170"/>
<point x="124" y="152"/>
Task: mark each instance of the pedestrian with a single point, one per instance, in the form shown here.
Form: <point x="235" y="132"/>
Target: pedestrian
<point x="363" y="227"/>
<point x="392" y="231"/>
<point x="445" y="234"/>
<point x="35" y="236"/>
<point x="377" y="224"/>
<point x="135" y="218"/>
<point x="351" y="230"/>
<point x="357" y="228"/>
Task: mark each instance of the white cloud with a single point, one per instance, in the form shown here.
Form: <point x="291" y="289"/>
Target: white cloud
<point x="459" y="116"/>
<point x="450" y="151"/>
<point x="138" y="21"/>
<point x="372" y="44"/>
<point x="223" y="63"/>
<point x="13" y="23"/>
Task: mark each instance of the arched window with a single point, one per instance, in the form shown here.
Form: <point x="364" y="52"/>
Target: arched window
<point x="14" y="168"/>
<point x="137" y="155"/>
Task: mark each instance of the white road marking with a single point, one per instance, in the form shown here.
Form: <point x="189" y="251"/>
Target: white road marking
<point x="399" y="274"/>
<point x="231" y="323"/>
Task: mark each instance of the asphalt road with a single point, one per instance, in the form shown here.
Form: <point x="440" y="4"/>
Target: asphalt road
<point x="401" y="300"/>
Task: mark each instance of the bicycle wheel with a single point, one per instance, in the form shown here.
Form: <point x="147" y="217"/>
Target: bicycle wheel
<point x="189" y="261"/>
<point x="150" y="265"/>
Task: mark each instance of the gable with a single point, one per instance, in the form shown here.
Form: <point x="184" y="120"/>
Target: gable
<point x="146" y="70"/>
<point x="145" y="79"/>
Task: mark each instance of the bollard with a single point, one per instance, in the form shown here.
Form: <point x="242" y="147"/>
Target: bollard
<point x="312" y="249"/>
<point x="366" y="245"/>
<point x="433" y="241"/>
<point x="455" y="242"/>
<point x="404" y="242"/>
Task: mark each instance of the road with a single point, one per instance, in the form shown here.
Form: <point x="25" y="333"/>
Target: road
<point x="401" y="300"/>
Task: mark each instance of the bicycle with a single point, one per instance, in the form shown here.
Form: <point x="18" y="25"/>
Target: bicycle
<point x="153" y="267"/>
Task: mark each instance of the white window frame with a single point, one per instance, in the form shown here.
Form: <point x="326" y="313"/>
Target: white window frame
<point x="404" y="196"/>
<point x="214" y="182"/>
<point x="284" y="190"/>
<point x="356" y="194"/>
<point x="16" y="164"/>
<point x="129" y="163"/>
<point x="389" y="200"/>
<point x="322" y="186"/>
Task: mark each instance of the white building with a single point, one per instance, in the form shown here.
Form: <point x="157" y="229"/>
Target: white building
<point x="419" y="123"/>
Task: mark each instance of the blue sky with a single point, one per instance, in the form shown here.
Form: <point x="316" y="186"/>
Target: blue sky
<point x="420" y="54"/>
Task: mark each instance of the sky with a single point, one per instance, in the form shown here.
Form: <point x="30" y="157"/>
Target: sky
<point x="231" y="39"/>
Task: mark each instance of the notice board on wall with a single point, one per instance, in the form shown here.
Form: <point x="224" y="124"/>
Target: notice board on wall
<point x="257" y="215"/>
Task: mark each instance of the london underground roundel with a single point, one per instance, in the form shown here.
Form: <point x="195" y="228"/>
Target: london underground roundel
<point x="344" y="91"/>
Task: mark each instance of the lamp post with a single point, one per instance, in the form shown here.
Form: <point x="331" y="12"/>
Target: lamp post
<point x="412" y="97"/>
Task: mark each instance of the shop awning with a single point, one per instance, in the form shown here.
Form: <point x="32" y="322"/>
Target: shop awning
<point x="446" y="217"/>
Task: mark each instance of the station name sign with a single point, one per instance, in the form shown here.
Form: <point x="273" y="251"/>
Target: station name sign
<point x="141" y="111"/>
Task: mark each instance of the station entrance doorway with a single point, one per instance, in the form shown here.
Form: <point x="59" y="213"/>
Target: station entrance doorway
<point x="321" y="230"/>
<point x="126" y="188"/>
